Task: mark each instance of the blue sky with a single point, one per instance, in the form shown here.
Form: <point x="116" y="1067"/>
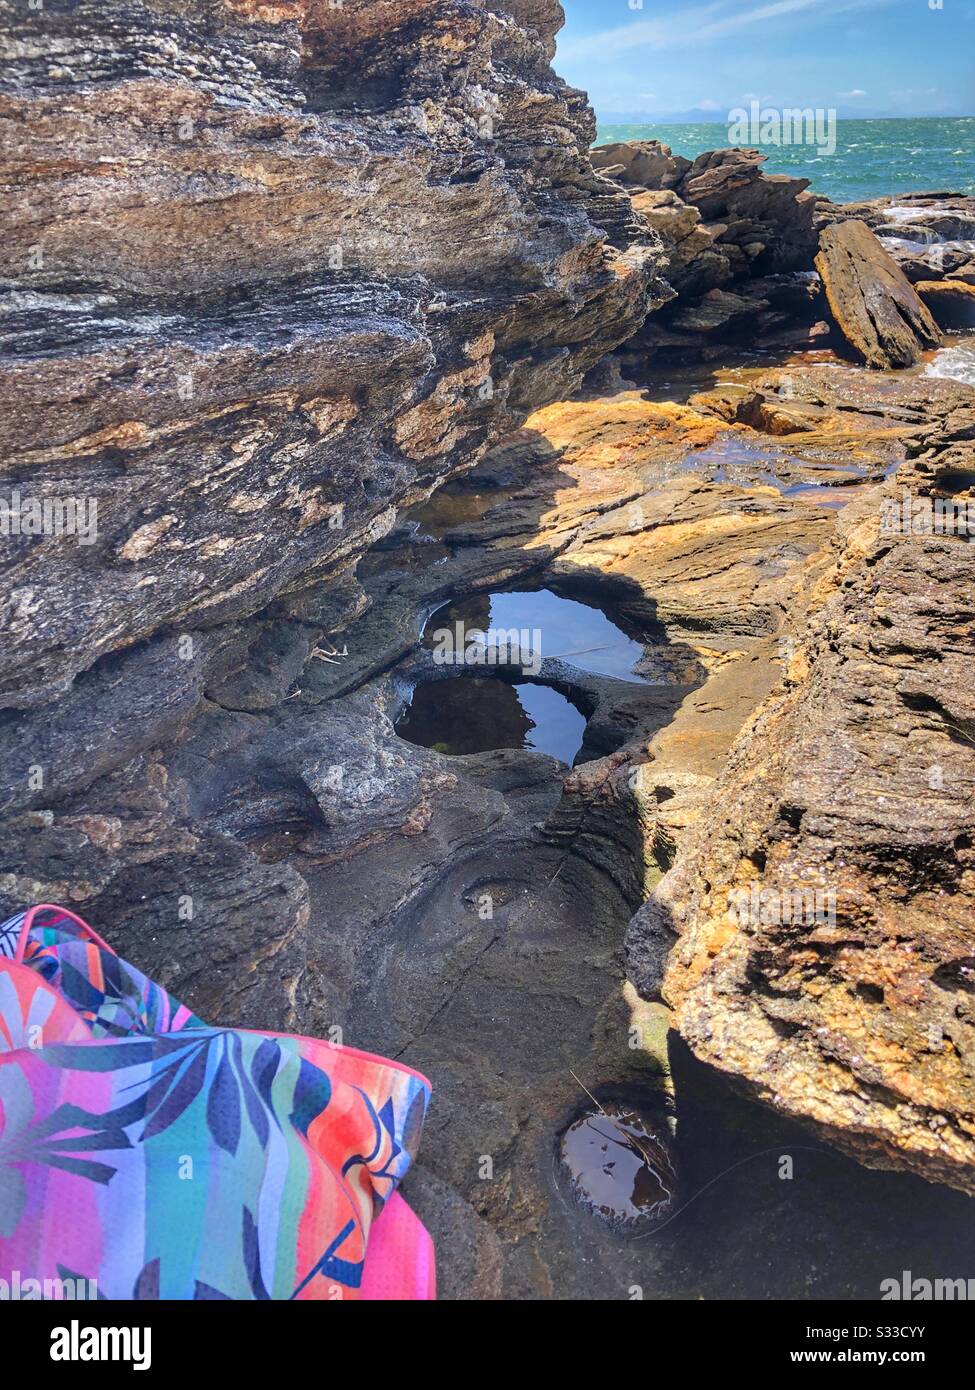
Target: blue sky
<point x="863" y="57"/>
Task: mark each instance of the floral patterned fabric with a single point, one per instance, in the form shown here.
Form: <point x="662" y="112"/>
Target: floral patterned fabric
<point x="162" y="1158"/>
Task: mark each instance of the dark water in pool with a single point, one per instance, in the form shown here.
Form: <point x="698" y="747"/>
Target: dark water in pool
<point x="473" y="714"/>
<point x="619" y="1166"/>
<point x="557" y="627"/>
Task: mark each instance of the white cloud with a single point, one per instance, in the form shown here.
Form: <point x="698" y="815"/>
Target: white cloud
<point x="857" y="92"/>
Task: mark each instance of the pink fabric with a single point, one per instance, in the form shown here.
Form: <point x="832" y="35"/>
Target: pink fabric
<point x="296" y="1145"/>
<point x="399" y="1261"/>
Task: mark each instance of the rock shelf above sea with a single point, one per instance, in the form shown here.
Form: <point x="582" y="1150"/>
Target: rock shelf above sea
<point x="760" y="259"/>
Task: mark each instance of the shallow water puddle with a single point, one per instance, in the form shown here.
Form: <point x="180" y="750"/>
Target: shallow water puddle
<point x="474" y="714"/>
<point x="531" y="625"/>
<point x="821" y="496"/>
<point x="619" y="1167"/>
<point x="453" y="506"/>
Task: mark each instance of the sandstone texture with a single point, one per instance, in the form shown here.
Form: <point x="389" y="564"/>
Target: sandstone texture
<point x="951" y="301"/>
<point x="855" y="778"/>
<point x="877" y="310"/>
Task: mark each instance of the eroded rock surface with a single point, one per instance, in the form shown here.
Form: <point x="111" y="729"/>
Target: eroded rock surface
<point x="875" y="306"/>
<point x="854" y="781"/>
<point x="259" y="303"/>
<point x="734" y="236"/>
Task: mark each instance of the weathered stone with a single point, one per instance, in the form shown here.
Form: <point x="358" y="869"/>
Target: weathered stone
<point x="855" y="781"/>
<point x="719" y="311"/>
<point x="647" y="163"/>
<point x="251" y="312"/>
<point x="874" y="306"/>
<point x="952" y="302"/>
<point x="721" y="220"/>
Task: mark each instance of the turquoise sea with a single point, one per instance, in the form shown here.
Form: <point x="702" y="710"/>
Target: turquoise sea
<point x="909" y="155"/>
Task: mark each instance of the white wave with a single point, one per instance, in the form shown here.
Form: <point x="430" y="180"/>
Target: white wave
<point x="954" y="363"/>
<point x="902" y="214"/>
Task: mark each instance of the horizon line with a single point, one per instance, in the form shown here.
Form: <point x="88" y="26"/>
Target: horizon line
<point x="713" y="118"/>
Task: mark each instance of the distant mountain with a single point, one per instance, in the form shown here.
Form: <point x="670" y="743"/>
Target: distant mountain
<point x="697" y="116"/>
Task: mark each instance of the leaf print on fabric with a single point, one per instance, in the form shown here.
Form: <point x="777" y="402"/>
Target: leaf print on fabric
<point x="252" y="1257"/>
<point x="384" y="1132"/>
<point x="13" y="1198"/>
<point x="413" y="1125"/>
<point x="223" y="1106"/>
<point x="54" y="1140"/>
<point x="146" y="1287"/>
<point x="264" y="1069"/>
<point x="80" y="1281"/>
<point x="256" y="1112"/>
<point x="206" y="1293"/>
<point x="9" y="932"/>
<point x="184" y="1084"/>
<point x="79" y="991"/>
<point x="312" y="1093"/>
<point x="331" y="1267"/>
<point x="125" y="1080"/>
<point x="123" y="1053"/>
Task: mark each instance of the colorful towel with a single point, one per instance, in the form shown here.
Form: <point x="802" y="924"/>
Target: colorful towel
<point x="160" y="1158"/>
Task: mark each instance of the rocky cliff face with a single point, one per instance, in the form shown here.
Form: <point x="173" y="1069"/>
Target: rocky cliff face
<point x="270" y="269"/>
<point x="269" y="272"/>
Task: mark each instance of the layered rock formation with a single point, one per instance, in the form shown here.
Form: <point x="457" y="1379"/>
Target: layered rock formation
<point x="931" y="236"/>
<point x="253" y="303"/>
<point x="877" y="310"/>
<point x="255" y="310"/>
<point x="271" y="272"/>
<point x="734" y="236"/>
<point x="852" y="791"/>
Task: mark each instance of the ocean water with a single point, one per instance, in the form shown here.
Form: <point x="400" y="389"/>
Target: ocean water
<point x="955" y="362"/>
<point x="872" y="158"/>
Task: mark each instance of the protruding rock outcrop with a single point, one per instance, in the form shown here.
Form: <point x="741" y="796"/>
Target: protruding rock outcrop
<point x="872" y="301"/>
<point x="951" y="301"/>
<point x="269" y="269"/>
<point x="821" y="913"/>
<point x="734" y="236"/>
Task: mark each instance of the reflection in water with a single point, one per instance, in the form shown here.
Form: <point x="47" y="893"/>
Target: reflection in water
<point x="833" y="497"/>
<point x="455" y="505"/>
<point x="559" y="627"/>
<point x="619" y="1166"/>
<point x="474" y="714"/>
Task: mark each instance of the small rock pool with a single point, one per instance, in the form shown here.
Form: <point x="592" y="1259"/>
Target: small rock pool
<point x="549" y="626"/>
<point x="480" y="710"/>
<point x="474" y="714"/>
